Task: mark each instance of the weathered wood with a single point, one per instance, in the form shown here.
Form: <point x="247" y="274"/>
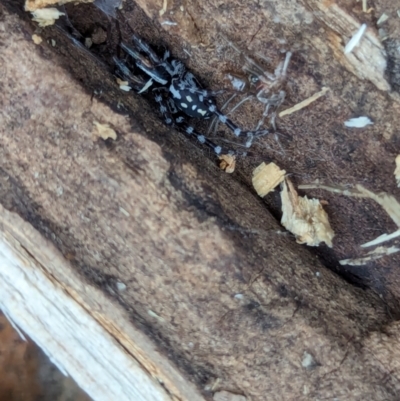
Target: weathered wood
<point x="315" y="145"/>
<point x="202" y="268"/>
<point x="75" y="324"/>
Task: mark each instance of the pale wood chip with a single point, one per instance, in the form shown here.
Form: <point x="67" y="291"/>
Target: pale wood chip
<point x="397" y="171"/>
<point x="388" y="202"/>
<point x="304" y="103"/>
<point x="104" y="131"/>
<point x="37" y="40"/>
<point x="164" y="8"/>
<point x="32" y="5"/>
<point x="228" y="163"/>
<point x="228" y="396"/>
<point x="266" y="177"/>
<point x="377" y="253"/>
<point x="304" y="217"/>
<point x="46" y="16"/>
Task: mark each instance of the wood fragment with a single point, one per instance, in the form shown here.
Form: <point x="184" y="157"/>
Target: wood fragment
<point x="164" y="8"/>
<point x="355" y="39"/>
<point x="304" y="103"/>
<point x="368" y="60"/>
<point x="388" y="202"/>
<point x="397" y="171"/>
<point x="377" y="253"/>
<point x="358" y="122"/>
<point x="227" y="163"/>
<point x="266" y="177"/>
<point x="46" y="16"/>
<point x="382" y="238"/>
<point x="385" y="200"/>
<point x="364" y="6"/>
<point x="37" y="40"/>
<point x="123" y="85"/>
<point x="104" y="131"/>
<point x="32" y="5"/>
<point x="304" y="217"/>
<point x="69" y="334"/>
<point x="384" y="17"/>
<point x="76" y="325"/>
<point x="228" y="396"/>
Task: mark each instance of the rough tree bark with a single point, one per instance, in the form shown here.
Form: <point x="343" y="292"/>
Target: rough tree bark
<point x="188" y="253"/>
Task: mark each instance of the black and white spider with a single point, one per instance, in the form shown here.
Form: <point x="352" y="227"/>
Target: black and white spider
<point x="176" y="90"/>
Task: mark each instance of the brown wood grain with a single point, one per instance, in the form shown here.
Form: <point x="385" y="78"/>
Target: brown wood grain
<point x="205" y="274"/>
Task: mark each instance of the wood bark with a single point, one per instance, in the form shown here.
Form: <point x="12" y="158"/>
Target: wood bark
<point x="153" y="232"/>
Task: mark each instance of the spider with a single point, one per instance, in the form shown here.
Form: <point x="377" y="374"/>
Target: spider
<point x="176" y="90"/>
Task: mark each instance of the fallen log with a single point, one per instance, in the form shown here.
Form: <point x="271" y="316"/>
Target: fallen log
<point x="172" y="272"/>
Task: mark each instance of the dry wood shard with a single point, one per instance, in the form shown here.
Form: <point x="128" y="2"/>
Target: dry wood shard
<point x="32" y="5"/>
<point x="304" y="217"/>
<point x="266" y="177"/>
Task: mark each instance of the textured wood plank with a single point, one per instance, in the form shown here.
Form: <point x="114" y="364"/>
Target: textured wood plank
<point x="74" y="336"/>
<point x="190" y="254"/>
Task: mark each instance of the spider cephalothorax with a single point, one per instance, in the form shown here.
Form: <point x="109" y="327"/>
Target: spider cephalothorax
<point x="175" y="89"/>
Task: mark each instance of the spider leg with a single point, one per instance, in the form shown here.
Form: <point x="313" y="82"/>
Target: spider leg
<point x="174" y="67"/>
<point x="134" y="81"/>
<point x="274" y="101"/>
<point x="215" y="120"/>
<point x="172" y="106"/>
<point x="181" y="123"/>
<point x="250" y="135"/>
<point x="144" y="64"/>
<point x="190" y="80"/>
<point x="144" y="47"/>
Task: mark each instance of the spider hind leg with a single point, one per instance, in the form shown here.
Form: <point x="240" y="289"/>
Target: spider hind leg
<point x="180" y="122"/>
<point x="238" y="132"/>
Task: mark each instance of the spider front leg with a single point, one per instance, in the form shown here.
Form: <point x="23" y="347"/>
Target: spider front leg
<point x="125" y="73"/>
<point x="173" y="68"/>
<point x="144" y="64"/>
<point x="145" y="48"/>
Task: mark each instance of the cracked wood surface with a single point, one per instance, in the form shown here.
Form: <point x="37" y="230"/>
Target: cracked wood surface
<point x="184" y="250"/>
<point x="74" y="324"/>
